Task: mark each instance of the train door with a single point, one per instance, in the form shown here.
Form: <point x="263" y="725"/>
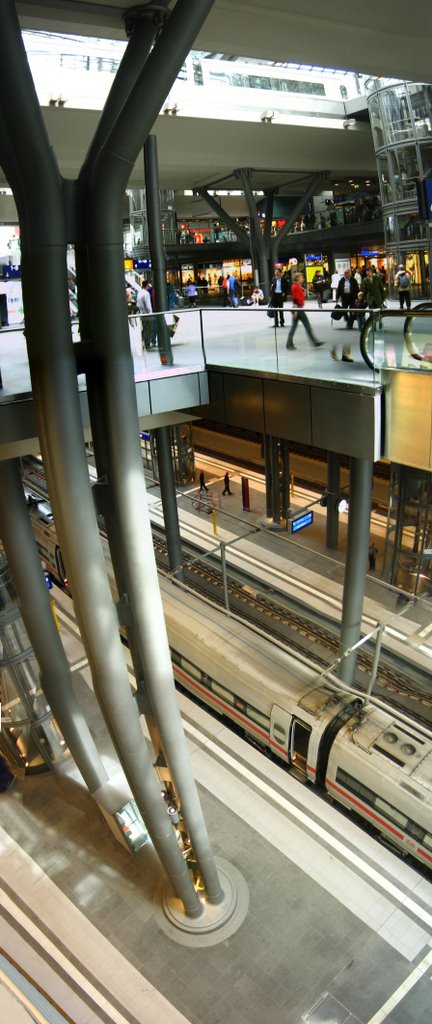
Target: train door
<point x="60" y="565"/>
<point x="299" y="744"/>
<point x="280" y="725"/>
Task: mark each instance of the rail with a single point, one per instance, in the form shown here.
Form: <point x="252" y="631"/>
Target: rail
<point x="379" y="351"/>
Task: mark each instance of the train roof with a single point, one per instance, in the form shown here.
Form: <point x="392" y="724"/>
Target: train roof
<point x="225" y="639"/>
<point x="379" y="732"/>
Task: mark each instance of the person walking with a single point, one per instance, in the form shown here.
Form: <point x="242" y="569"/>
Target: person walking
<point x="346" y="294"/>
<point x="144" y="307"/>
<point x="372" y="553"/>
<point x="318" y="284"/>
<point x="191" y="293"/>
<point x="402" y="282"/>
<point x="335" y="278"/>
<point x="360" y="306"/>
<point x="277" y="295"/>
<point x="298" y="313"/>
<point x="226" y="489"/>
<point x="202" y="482"/>
<point x="233" y="291"/>
<point x="373" y="289"/>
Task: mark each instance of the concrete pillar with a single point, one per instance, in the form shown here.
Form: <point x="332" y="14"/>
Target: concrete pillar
<point x="333" y="477"/>
<point x="360" y="502"/>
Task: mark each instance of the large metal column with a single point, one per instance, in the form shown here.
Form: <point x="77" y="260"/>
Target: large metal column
<point x="275" y="480"/>
<point x="223" y="215"/>
<point x="360" y="503"/>
<point x="28" y="160"/>
<point x="267" y="445"/>
<point x="169" y="503"/>
<point x="112" y="399"/>
<point x="245" y="176"/>
<point x="295" y="213"/>
<point x="55" y="675"/>
<point x="285" y="480"/>
<point x="156" y="245"/>
<point x="333" y="478"/>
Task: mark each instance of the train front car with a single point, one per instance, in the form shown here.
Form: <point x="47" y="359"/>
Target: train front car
<point x="382" y="770"/>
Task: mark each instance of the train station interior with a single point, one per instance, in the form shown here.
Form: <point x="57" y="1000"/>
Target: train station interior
<point x="215" y="513"/>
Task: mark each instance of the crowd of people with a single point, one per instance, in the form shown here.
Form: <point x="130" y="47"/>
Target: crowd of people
<point x="354" y="292"/>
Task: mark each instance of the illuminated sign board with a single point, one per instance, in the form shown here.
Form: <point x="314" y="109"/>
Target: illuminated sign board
<point x="299" y="524"/>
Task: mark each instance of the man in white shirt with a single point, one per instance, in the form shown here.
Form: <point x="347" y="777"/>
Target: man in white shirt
<point x="144" y="306"/>
<point x="277" y="295"/>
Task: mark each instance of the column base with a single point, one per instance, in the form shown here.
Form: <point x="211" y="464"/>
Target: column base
<point x="217" y="922"/>
<point x="269" y="524"/>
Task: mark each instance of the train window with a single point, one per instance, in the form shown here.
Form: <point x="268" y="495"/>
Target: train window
<point x="279" y="733"/>
<point x="427" y="841"/>
<point x="354" y="786"/>
<point x="259" y="718"/>
<point x="60" y="565"/>
<point x="391" y="813"/>
<point x="240" y="704"/>
<point x="191" y="669"/>
<point x="415" y="831"/>
<point x="222" y="692"/>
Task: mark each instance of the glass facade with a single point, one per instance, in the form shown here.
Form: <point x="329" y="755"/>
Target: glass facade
<point x="30" y="739"/>
<point x="401" y="121"/>
<point x="408" y="550"/>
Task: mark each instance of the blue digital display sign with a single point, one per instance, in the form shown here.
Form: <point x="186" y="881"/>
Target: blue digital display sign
<point x="428" y="192"/>
<point x="299" y="524"/>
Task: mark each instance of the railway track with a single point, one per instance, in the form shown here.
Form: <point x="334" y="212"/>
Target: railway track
<point x="301" y="632"/>
<point x="305" y="635"/>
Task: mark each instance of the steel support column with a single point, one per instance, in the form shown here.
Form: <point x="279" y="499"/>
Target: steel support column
<point x="169" y="503"/>
<point x="360" y="503"/>
<point x="275" y="480"/>
<point x="333" y="477"/>
<point x="295" y="213"/>
<point x="112" y="398"/>
<point x="285" y="480"/>
<point x="156" y="246"/>
<point x="25" y="565"/>
<point x="32" y="172"/>
<point x="244" y="176"/>
<point x="267" y="445"/>
<point x="223" y="215"/>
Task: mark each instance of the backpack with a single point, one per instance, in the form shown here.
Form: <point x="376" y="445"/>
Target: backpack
<point x="403" y="280"/>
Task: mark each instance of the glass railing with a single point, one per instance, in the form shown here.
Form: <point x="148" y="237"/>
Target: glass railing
<point x="191" y="339"/>
<point x="398" y="339"/>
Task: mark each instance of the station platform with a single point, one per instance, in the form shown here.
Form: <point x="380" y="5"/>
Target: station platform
<point x="338" y="928"/>
<point x="299" y="565"/>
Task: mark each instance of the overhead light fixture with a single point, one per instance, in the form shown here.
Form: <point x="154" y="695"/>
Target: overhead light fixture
<point x="350" y="122"/>
<point x="267" y="116"/>
<point x="171" y="110"/>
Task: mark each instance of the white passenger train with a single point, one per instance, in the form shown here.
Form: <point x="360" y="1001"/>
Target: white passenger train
<point x="373" y="762"/>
